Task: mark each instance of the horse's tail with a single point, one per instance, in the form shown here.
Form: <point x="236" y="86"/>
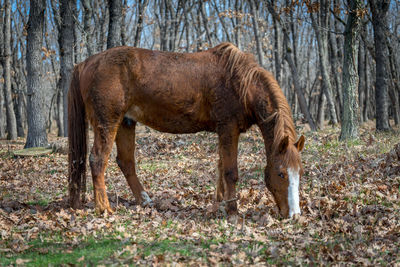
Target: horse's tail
<point x="77" y="139"/>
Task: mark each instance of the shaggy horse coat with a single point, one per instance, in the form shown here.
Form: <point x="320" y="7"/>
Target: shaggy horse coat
<point x="220" y="90"/>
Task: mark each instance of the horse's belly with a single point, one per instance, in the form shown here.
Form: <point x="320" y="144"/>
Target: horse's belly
<point x="171" y="122"/>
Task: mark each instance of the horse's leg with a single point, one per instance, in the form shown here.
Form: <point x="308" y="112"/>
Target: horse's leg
<point x="126" y="159"/>
<point x="220" y="182"/>
<point x="228" y="145"/>
<point x="103" y="141"/>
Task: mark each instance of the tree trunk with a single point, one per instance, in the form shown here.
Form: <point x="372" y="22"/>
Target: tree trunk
<point x="139" y="25"/>
<point x="66" y="43"/>
<point x="123" y="22"/>
<point x="300" y="93"/>
<point x="205" y="22"/>
<point x="322" y="40"/>
<point x="187" y="29"/>
<point x="379" y="10"/>
<point x="321" y="109"/>
<point x="238" y="25"/>
<point x="36" y="100"/>
<point x="2" y="117"/>
<point x="351" y="117"/>
<point x="253" y="11"/>
<point x="361" y="81"/>
<point x="288" y="57"/>
<point x="276" y="51"/>
<point x="11" y="120"/>
<point x="367" y="89"/>
<point x="18" y="101"/>
<point x="88" y="26"/>
<point x="395" y="83"/>
<point x="59" y="114"/>
<point x="114" y="26"/>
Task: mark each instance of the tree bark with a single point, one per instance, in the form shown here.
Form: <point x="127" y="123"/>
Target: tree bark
<point x="36" y="101"/>
<point x="321" y="109"/>
<point x="88" y="26"/>
<point x="17" y="85"/>
<point x="253" y="11"/>
<point x="322" y="40"/>
<point x="379" y="9"/>
<point x="277" y="57"/>
<point x="3" y="125"/>
<point x="361" y="82"/>
<point x="238" y="23"/>
<point x="139" y="24"/>
<point x="123" y="22"/>
<point x="114" y="26"/>
<point x="8" y="99"/>
<point x="300" y="93"/>
<point x="351" y="112"/>
<point x="66" y="43"/>
<point x="205" y="22"/>
<point x="367" y="89"/>
<point x="395" y="83"/>
<point x="288" y="57"/>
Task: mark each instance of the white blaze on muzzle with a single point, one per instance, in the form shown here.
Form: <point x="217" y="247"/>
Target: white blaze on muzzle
<point x="293" y="192"/>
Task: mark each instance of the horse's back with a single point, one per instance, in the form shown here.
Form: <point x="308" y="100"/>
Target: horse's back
<point x="170" y="92"/>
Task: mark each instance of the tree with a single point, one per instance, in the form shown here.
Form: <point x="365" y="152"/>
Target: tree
<point x="253" y="10"/>
<point x="320" y="23"/>
<point x="66" y="43"/>
<point x="379" y="10"/>
<point x="11" y="121"/>
<point x="2" y="126"/>
<point x="351" y="112"/>
<point x="289" y="60"/>
<point x="88" y="26"/>
<point x="114" y="26"/>
<point x="36" y="113"/>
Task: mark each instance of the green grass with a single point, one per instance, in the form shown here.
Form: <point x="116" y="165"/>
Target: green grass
<point x="153" y="166"/>
<point x="93" y="251"/>
<point x="44" y="253"/>
<point x="40" y="202"/>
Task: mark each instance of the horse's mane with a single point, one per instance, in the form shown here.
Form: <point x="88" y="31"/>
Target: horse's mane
<point x="245" y="71"/>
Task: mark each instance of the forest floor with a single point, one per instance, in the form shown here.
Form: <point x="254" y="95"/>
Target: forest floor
<point x="350" y="201"/>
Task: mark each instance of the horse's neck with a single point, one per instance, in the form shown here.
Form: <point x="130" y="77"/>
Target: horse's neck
<point x="267" y="131"/>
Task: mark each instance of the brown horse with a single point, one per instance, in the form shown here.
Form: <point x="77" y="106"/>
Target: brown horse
<point x="220" y="90"/>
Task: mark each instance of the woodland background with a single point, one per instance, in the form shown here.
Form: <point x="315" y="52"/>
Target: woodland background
<point x="338" y="65"/>
<point x="301" y="42"/>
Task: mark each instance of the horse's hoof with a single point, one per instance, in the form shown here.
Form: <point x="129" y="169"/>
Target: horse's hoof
<point x="147" y="201"/>
<point x="102" y="210"/>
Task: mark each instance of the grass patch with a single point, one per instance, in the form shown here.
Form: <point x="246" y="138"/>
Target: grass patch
<point x="44" y="253"/>
<point x="153" y="166"/>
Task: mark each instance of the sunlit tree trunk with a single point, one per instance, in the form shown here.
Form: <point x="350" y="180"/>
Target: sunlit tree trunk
<point x="11" y="120"/>
<point x="37" y="135"/>
<point x="288" y="57"/>
<point x="351" y="112"/>
<point x="88" y="26"/>
<point x="254" y="15"/>
<point x="321" y="20"/>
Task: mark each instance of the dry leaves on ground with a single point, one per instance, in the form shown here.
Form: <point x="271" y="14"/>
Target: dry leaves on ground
<point x="350" y="199"/>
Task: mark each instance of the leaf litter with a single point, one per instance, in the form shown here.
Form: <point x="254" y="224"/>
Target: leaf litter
<point x="350" y="201"/>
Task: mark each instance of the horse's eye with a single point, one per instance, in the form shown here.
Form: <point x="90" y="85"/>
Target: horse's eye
<point x="281" y="175"/>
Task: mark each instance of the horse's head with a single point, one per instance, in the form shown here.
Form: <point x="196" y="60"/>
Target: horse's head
<point x="283" y="173"/>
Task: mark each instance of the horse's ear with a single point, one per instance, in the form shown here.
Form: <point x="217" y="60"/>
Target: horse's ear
<point x="283" y="144"/>
<point x="300" y="143"/>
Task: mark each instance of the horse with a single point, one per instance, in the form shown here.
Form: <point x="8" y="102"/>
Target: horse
<point x="221" y="90"/>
